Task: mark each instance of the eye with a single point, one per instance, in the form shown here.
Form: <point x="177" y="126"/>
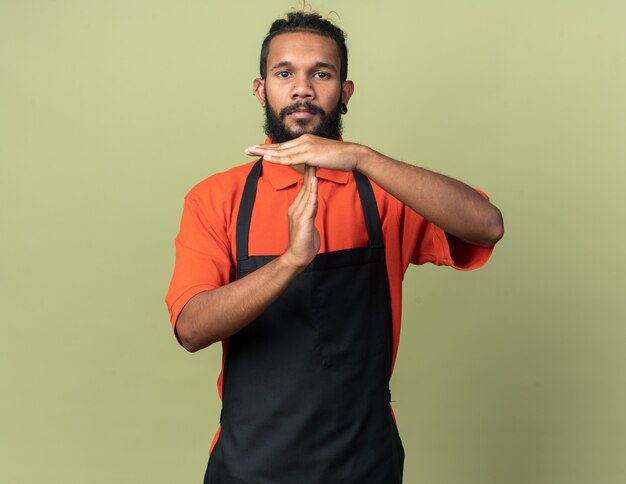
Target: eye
<point x="322" y="75"/>
<point x="283" y="74"/>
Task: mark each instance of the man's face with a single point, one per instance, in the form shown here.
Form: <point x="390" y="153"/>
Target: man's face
<point x="302" y="92"/>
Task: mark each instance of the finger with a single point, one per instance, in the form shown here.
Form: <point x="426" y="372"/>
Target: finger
<point x="285" y="144"/>
<point x="308" y="183"/>
<point x="307" y="176"/>
<point x="286" y="156"/>
<point x="272" y="146"/>
<point x="297" y="159"/>
<point x="270" y="154"/>
<point x="301" y="207"/>
<point x="257" y="149"/>
<point x="293" y="155"/>
<point x="295" y="205"/>
<point x="310" y="207"/>
<point x="306" y="188"/>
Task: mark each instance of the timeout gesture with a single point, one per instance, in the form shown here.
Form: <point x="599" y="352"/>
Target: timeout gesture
<point x="311" y="150"/>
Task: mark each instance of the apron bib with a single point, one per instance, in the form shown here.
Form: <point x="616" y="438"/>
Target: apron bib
<point x="305" y="390"/>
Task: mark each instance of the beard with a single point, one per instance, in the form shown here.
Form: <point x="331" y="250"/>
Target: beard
<point x="329" y="125"/>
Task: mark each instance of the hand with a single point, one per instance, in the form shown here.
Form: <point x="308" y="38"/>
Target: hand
<point x="311" y="150"/>
<point x="304" y="238"/>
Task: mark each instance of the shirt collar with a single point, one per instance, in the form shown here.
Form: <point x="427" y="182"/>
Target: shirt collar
<point x="282" y="176"/>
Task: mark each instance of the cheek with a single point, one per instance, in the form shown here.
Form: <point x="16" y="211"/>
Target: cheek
<point x="276" y="90"/>
<point x="332" y="97"/>
<point x="275" y="100"/>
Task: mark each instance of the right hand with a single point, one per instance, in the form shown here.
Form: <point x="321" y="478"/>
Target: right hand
<point x="304" y="238"/>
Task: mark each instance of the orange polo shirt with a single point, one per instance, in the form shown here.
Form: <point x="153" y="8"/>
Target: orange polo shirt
<point x="206" y="244"/>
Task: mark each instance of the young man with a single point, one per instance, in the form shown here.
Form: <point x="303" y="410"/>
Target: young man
<point x="295" y="263"/>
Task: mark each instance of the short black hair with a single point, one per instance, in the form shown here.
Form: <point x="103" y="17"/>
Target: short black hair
<point x="300" y="21"/>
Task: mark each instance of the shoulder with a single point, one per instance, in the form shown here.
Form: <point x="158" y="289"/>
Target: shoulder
<point x="215" y="200"/>
<point x="222" y="183"/>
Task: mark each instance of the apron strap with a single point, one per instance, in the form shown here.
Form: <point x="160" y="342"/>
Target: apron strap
<point x="366" y="195"/>
<point x="245" y="210"/>
<point x="370" y="210"/>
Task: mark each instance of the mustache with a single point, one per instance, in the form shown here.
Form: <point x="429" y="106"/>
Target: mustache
<point x="301" y="105"/>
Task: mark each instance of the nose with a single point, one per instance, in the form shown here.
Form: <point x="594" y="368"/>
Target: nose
<point x="302" y="88"/>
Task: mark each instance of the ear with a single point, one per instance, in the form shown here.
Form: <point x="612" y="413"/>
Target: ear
<point x="347" y="89"/>
<point x="258" y="89"/>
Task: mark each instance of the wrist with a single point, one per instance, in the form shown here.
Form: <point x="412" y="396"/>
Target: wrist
<point x="290" y="264"/>
<point x="364" y="158"/>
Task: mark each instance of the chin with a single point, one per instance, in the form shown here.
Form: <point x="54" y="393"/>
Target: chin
<point x="303" y="128"/>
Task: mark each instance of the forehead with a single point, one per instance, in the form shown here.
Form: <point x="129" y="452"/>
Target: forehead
<point x="302" y="46"/>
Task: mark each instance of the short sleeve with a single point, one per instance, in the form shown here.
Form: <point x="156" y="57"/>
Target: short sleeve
<point x="424" y="242"/>
<point x="203" y="254"/>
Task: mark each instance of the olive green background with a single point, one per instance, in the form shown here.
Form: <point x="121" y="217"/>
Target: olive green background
<point x="111" y="110"/>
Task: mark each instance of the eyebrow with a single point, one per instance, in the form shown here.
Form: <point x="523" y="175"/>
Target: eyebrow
<point x="318" y="64"/>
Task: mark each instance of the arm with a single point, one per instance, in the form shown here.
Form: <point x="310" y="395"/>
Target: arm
<point x="213" y="315"/>
<point x="448" y="203"/>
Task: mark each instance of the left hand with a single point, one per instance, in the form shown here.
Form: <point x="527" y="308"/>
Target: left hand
<point x="310" y="150"/>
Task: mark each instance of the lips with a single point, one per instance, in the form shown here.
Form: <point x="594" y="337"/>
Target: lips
<point x="301" y="113"/>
